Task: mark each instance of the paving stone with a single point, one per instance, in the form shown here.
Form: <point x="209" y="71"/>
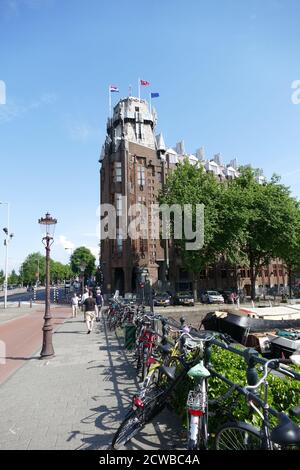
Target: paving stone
<point x="77" y="399"/>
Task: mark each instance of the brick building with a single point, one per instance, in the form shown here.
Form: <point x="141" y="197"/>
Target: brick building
<point x="134" y="165"/>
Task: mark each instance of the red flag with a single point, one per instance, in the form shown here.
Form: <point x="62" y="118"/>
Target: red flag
<point x="145" y="83"/>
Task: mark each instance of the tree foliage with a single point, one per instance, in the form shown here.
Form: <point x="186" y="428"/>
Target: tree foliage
<point x="265" y="219"/>
<point x="13" y="278"/>
<point x="34" y="268"/>
<point x="247" y="222"/>
<point x="83" y="255"/>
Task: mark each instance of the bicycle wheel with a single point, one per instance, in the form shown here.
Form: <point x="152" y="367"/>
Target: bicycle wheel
<point x="137" y="419"/>
<point x="197" y="422"/>
<point x="238" y="436"/>
<point x="128" y="428"/>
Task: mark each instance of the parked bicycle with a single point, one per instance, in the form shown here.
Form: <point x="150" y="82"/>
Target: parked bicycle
<point x="151" y="402"/>
<point x="237" y="435"/>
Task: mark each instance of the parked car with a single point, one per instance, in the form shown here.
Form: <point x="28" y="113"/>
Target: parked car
<point x="184" y="298"/>
<point x="227" y="295"/>
<point x="161" y="299"/>
<point x="212" y="297"/>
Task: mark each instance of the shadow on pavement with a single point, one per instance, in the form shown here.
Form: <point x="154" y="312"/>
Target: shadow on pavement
<point x="165" y="432"/>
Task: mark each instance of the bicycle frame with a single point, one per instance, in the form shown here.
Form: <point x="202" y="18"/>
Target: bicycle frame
<point x="256" y="404"/>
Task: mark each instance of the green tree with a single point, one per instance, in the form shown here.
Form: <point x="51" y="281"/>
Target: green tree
<point x="33" y="268"/>
<point x="290" y="248"/>
<point x="2" y="277"/>
<point x="59" y="271"/>
<point x="263" y="218"/>
<point x="83" y="255"/>
<point x="13" y="278"/>
<point x="190" y="184"/>
<point x="246" y="222"/>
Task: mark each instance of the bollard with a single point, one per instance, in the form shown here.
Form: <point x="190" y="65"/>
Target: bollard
<point x="19" y="304"/>
<point x="30" y="303"/>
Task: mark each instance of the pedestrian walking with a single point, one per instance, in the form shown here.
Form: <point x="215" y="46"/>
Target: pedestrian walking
<point x="99" y="304"/>
<point x="83" y="298"/>
<point x="90" y="312"/>
<point x="74" y="303"/>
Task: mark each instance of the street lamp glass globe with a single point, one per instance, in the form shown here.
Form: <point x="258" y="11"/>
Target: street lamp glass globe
<point x="47" y="225"/>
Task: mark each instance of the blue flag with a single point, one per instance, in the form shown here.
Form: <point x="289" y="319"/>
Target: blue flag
<point x="154" y="95"/>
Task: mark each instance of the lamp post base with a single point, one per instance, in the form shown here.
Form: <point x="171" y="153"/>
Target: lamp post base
<point x="47" y="351"/>
<point x="47" y="356"/>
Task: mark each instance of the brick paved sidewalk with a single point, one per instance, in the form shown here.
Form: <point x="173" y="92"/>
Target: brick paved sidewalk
<point x="77" y="399"/>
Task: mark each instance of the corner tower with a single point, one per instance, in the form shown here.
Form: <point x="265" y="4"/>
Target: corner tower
<point x="131" y="173"/>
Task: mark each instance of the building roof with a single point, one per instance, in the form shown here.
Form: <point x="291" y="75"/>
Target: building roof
<point x="160" y="142"/>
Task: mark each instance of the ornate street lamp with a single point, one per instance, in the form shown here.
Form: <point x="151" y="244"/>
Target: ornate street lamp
<point x="47" y="224"/>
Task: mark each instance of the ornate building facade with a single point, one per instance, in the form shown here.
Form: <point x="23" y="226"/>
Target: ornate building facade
<point x="134" y="165"/>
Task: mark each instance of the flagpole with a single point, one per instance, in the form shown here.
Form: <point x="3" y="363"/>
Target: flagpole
<point x="109" y="101"/>
<point x="139" y="88"/>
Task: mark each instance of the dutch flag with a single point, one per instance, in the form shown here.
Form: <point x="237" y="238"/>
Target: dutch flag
<point x="113" y="88"/>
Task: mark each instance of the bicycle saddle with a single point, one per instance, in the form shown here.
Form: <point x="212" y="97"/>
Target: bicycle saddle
<point x="287" y="432"/>
<point x="165" y="348"/>
<point x="199" y="371"/>
<point x="168" y="371"/>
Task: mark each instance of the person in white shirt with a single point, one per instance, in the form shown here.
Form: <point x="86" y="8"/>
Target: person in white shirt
<point x="83" y="298"/>
<point x="74" y="303"/>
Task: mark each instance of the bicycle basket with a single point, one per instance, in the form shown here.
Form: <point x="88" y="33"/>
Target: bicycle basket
<point x="196" y="400"/>
<point x="190" y="344"/>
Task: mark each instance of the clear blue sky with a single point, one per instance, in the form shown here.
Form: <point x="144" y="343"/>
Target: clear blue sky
<point x="223" y="69"/>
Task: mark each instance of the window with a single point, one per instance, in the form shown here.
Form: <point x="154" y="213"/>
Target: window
<point x="119" y="240"/>
<point x="117" y="172"/>
<point x="141" y="175"/>
<point x="211" y="273"/>
<point x="243" y="273"/>
<point x="143" y="246"/>
<point x="119" y="201"/>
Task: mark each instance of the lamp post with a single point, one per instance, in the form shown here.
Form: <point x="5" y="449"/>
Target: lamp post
<point x="47" y="224"/>
<point x="82" y="269"/>
<point x="68" y="248"/>
<point x="8" y="238"/>
<point x="37" y="275"/>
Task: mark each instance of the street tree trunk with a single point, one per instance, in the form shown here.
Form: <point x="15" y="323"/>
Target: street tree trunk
<point x="195" y="286"/>
<point x="253" y="275"/>
<point x="290" y="274"/>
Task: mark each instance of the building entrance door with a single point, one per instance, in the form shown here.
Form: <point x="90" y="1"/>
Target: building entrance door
<point x="119" y="280"/>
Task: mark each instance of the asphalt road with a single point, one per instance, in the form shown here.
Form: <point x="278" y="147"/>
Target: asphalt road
<point x="24" y="296"/>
